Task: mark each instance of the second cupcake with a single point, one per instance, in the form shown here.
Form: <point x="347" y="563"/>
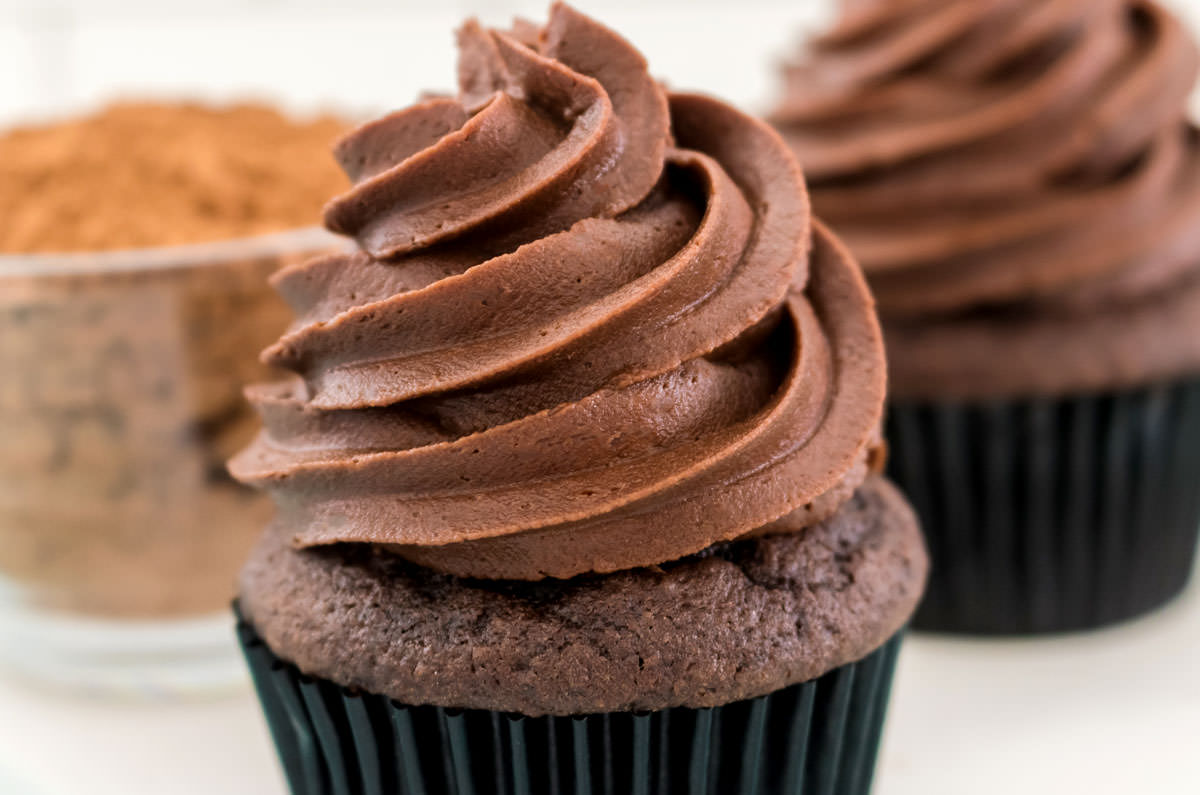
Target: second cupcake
<point x="1023" y="188"/>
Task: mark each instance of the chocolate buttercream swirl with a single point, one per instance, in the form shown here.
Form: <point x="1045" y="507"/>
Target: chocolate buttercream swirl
<point x="589" y="328"/>
<point x="996" y="153"/>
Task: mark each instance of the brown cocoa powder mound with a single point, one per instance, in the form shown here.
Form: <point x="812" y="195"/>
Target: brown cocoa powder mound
<point x="149" y="174"/>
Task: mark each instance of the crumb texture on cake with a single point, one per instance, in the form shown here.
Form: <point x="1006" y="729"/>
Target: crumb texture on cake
<point x="741" y="620"/>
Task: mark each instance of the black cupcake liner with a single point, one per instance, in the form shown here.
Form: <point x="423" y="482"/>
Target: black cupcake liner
<point x="816" y="738"/>
<point x="1052" y="515"/>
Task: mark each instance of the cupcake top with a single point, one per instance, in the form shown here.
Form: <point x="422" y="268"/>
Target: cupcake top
<point x="589" y="327"/>
<point x="1022" y="158"/>
<point x="739" y="621"/>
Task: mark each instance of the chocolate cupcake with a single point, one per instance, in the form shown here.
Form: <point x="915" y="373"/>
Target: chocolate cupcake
<point x="1022" y="186"/>
<point x="576" y="475"/>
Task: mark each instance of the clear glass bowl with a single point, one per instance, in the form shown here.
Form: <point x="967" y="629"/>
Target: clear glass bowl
<point x="121" y="533"/>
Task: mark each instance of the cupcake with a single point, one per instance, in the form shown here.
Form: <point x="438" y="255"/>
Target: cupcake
<point x="576" y="476"/>
<point x="1022" y="186"/>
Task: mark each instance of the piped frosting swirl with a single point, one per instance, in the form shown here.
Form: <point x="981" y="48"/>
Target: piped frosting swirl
<point x="589" y="327"/>
<point x="1029" y="154"/>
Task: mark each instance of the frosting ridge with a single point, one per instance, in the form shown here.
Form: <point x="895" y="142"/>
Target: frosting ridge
<point x="590" y="327"/>
<point x="1003" y="154"/>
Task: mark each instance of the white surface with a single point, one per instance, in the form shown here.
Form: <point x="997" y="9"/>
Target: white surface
<point x="1115" y="712"/>
<point x="55" y="745"/>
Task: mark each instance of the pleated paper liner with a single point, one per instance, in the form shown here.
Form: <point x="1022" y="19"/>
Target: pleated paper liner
<point x="816" y="738"/>
<point x="1052" y="515"/>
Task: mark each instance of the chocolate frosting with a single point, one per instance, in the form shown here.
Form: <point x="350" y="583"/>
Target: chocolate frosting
<point x="1016" y="155"/>
<point x="590" y="327"/>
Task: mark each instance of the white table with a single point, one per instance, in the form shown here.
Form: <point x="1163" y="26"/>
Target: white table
<point x="1116" y="711"/>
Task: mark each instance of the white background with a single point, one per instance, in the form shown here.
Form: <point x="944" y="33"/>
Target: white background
<point x="1111" y="712"/>
<point x="363" y="56"/>
<point x="358" y="55"/>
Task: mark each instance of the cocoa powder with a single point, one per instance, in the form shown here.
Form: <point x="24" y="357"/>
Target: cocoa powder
<point x="145" y="174"/>
<point x="122" y="367"/>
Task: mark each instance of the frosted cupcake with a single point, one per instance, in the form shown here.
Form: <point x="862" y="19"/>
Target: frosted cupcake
<point x="1022" y="186"/>
<point x="576" y="475"/>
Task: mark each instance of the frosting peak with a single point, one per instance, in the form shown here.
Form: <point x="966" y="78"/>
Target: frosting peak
<point x="1003" y="152"/>
<point x="590" y="328"/>
<point x="544" y="132"/>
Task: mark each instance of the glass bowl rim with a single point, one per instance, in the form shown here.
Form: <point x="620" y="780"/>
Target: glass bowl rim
<point x="153" y="258"/>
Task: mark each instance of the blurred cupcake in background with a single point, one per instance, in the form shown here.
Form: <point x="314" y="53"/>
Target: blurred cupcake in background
<point x="135" y="248"/>
<point x="1022" y="185"/>
<point x="576" y="473"/>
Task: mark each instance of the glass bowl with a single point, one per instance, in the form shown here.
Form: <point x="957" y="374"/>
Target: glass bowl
<point x="121" y="533"/>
